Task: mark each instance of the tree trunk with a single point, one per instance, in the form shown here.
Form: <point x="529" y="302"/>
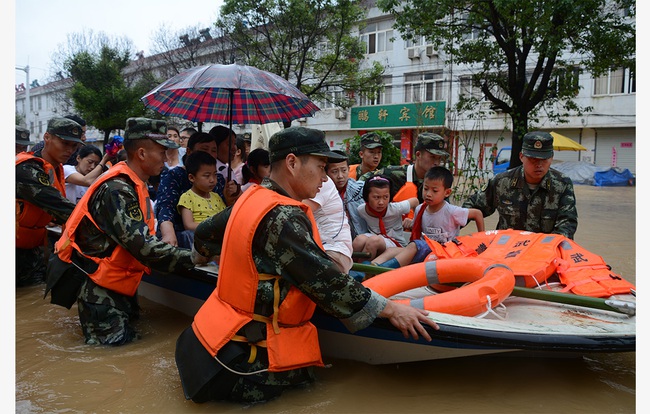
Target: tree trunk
<point x="519" y="129"/>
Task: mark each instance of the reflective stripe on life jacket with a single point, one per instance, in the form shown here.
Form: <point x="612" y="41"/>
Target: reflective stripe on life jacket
<point x="534" y="257"/>
<point x="119" y="272"/>
<point x="291" y="340"/>
<point x="30" y="219"/>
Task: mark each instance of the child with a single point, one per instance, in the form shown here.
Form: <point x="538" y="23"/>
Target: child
<point x="256" y="168"/>
<point x="384" y="218"/>
<point x="199" y="202"/>
<point x="435" y="218"/>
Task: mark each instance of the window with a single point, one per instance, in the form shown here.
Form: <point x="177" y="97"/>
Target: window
<point x="416" y="41"/>
<point x="377" y="37"/>
<point x="423" y="86"/>
<point x="382" y="97"/>
<point x="567" y="80"/>
<point x="615" y="81"/>
<point x="334" y="96"/>
<point x="469" y="89"/>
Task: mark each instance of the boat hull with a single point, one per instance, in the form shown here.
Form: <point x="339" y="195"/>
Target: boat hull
<point x="525" y="325"/>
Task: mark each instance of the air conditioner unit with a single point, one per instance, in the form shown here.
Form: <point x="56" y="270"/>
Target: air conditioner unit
<point x="414" y="53"/>
<point x="340" y="114"/>
<point x="431" y="51"/>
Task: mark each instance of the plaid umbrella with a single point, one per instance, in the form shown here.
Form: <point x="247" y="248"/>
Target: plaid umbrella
<point x="229" y="94"/>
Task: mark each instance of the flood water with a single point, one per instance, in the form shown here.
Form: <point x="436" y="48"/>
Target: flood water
<point x="55" y="372"/>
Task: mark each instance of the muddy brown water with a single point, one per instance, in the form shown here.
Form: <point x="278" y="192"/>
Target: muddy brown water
<point x="55" y="372"/>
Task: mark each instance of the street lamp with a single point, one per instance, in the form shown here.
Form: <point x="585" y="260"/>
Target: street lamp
<point x="28" y="106"/>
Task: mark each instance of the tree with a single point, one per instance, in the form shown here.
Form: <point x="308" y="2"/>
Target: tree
<point x="100" y="92"/>
<point x="308" y="42"/>
<point x="390" y="154"/>
<point x="186" y="48"/>
<point x="526" y="55"/>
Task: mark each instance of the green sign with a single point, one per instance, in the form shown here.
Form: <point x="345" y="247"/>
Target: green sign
<point x="406" y="115"/>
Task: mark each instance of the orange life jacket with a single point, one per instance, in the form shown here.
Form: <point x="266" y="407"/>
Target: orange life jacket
<point x="408" y="190"/>
<point x="353" y="171"/>
<point x="534" y="257"/>
<point x="119" y="272"/>
<point x="586" y="273"/>
<point x="30" y="219"/>
<point x="291" y="340"/>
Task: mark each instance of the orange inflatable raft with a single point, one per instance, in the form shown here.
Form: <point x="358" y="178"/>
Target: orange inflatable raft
<point x="489" y="284"/>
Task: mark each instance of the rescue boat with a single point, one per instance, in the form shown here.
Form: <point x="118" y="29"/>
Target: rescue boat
<point x="514" y="324"/>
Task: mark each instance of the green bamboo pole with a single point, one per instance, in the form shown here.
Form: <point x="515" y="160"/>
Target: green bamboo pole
<point x="619" y="306"/>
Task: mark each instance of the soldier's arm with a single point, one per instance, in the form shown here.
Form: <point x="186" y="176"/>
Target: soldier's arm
<point x="208" y="236"/>
<point x="484" y="199"/>
<point x="32" y="184"/>
<point x="566" y="222"/>
<point x="117" y="212"/>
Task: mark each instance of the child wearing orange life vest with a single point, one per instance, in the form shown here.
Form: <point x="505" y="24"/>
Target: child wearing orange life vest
<point x="435" y="218"/>
<point x="384" y="218"/>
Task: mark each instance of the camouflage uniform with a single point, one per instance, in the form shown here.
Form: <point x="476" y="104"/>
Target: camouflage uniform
<point x="283" y="245"/>
<point x="106" y="315"/>
<point x="35" y="186"/>
<point x="550" y="208"/>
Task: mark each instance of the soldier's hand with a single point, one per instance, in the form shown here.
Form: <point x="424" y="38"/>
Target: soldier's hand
<point x="198" y="258"/>
<point x="408" y="320"/>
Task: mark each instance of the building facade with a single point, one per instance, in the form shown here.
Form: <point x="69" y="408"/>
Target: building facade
<point x="420" y="91"/>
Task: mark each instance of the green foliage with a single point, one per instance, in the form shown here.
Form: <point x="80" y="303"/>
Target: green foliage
<point x="100" y="92"/>
<point x="390" y="154"/>
<point x="20" y="119"/>
<point x="307" y="42"/>
<point x="522" y="51"/>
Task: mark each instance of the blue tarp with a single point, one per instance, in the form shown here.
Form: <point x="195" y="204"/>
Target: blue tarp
<point x="614" y="177"/>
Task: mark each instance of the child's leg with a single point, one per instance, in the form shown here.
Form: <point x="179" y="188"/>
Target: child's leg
<point x="359" y="243"/>
<point x="406" y="255"/>
<point x="389" y="253"/>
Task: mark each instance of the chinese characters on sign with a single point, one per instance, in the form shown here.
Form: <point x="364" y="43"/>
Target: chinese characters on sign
<point x="402" y="115"/>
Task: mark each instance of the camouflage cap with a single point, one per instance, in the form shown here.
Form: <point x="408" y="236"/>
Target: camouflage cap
<point x="66" y="129"/>
<point x="22" y="136"/>
<point x="537" y="144"/>
<point x="154" y="129"/>
<point x="431" y="142"/>
<point x="300" y="141"/>
<point x="371" y="140"/>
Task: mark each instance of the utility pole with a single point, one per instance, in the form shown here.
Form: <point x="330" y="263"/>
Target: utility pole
<point x="28" y="105"/>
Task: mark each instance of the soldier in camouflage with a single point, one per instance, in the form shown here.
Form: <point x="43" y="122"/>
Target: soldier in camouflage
<point x="533" y="196"/>
<point x="105" y="315"/>
<point x="36" y="180"/>
<point x="370" y="153"/>
<point x="283" y="244"/>
<point x="429" y="152"/>
<point x="22" y="139"/>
